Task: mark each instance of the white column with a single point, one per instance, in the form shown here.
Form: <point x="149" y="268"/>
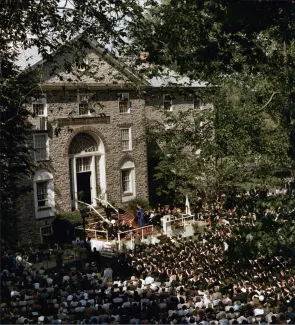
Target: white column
<point x="74" y="182"/>
<point x="93" y="181"/>
<point x="102" y="175"/>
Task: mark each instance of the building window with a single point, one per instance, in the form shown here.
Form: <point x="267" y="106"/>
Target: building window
<point x="167" y="103"/>
<point x="83" y="164"/>
<point x="42" y="194"/>
<point x="83" y="109"/>
<point x="84" y="104"/>
<point x="83" y="142"/>
<point x="40" y="106"/>
<point x="193" y="99"/>
<point x="46" y="230"/>
<point x="197" y="103"/>
<point x="126" y="181"/>
<point x="126" y="139"/>
<point x="41" y="147"/>
<point x="124" y="103"/>
<point x="39" y="109"/>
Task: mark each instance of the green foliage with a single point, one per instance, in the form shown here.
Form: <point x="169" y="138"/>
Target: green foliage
<point x="64" y="225"/>
<point x="246" y="53"/>
<point x="73" y="217"/>
<point x="285" y="203"/>
<point x="132" y="204"/>
<point x="210" y="39"/>
<point x="270" y="235"/>
<point x="16" y="152"/>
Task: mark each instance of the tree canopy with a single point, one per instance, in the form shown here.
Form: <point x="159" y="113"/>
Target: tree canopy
<point x="245" y="51"/>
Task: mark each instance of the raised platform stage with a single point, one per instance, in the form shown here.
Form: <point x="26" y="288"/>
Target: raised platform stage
<point x="149" y="235"/>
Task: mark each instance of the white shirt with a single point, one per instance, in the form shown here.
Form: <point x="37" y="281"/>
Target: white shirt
<point x="108" y="273"/>
<point x="65" y="278"/>
<point x="49" y="280"/>
<point x="83" y="302"/>
<point x="21" y="320"/>
<point x="69" y="298"/>
<point x="223" y="322"/>
<point x="241" y="318"/>
<point x="149" y="280"/>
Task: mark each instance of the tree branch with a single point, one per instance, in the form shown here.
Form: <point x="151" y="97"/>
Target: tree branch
<point x="270" y="99"/>
<point x="65" y="6"/>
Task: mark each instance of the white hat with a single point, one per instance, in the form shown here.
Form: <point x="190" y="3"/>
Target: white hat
<point x="261" y="297"/>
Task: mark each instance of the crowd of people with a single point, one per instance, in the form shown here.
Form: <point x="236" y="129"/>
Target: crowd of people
<point x="177" y="281"/>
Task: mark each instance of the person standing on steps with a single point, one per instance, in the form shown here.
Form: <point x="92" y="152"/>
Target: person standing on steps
<point x="140" y="216"/>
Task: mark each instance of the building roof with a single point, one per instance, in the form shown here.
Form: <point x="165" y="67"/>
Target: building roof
<point x="31" y="57"/>
<point x="28" y="58"/>
<point x="173" y="79"/>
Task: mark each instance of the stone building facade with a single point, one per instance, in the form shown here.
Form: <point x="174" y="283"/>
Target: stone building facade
<point x="89" y="138"/>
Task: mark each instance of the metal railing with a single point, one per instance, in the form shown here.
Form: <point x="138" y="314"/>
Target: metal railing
<point x="92" y="208"/>
<point x="141" y="230"/>
<point x="106" y="203"/>
<point x="95" y="232"/>
<point x="169" y="219"/>
<point x="183" y="218"/>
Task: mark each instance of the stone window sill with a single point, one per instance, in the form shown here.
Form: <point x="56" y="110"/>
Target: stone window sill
<point x="127" y="194"/>
<point x="44" y="208"/>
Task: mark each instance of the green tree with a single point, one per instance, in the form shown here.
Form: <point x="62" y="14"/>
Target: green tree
<point x="245" y="51"/>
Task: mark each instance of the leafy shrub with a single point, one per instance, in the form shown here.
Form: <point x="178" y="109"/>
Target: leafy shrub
<point x="131" y="205"/>
<point x="74" y="217"/>
<point x="64" y="225"/>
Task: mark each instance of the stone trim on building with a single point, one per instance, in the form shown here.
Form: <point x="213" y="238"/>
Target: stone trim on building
<point x="85" y="128"/>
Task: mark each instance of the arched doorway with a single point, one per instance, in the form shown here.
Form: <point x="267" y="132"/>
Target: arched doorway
<point x="87" y="168"/>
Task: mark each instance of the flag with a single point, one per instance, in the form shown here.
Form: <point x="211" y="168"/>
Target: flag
<point x="187" y="206"/>
<point x="128" y="217"/>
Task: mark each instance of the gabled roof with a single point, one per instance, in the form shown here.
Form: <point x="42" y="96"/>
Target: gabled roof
<point x="120" y="66"/>
<point x="32" y="58"/>
<point x="29" y="58"/>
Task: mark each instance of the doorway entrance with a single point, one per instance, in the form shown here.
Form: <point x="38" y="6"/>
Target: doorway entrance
<point x="87" y="168"/>
<point x="84" y="187"/>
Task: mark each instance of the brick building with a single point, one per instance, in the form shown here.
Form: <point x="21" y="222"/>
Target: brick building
<point x="89" y="136"/>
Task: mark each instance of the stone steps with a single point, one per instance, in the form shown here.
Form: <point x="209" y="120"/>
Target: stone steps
<point x="94" y="217"/>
